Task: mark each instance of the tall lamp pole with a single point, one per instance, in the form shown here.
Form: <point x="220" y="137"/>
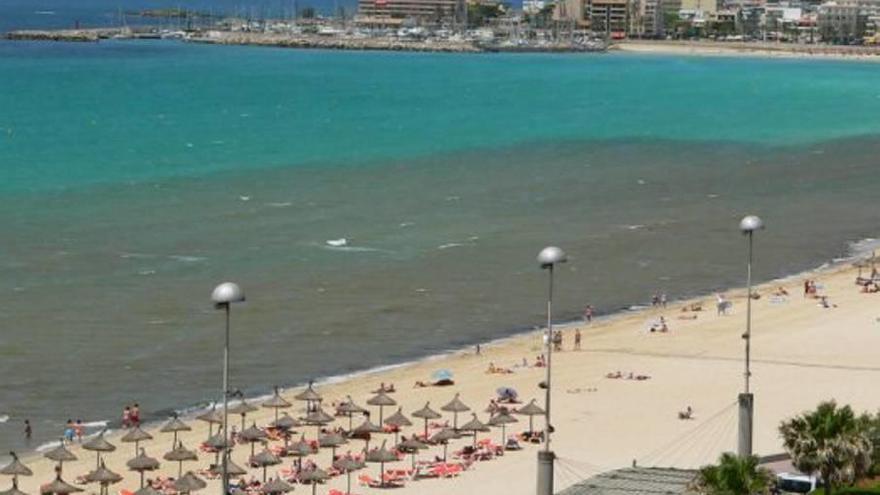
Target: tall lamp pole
<point x="224" y="296"/>
<point x="748" y="225"/>
<point x="548" y="258"/>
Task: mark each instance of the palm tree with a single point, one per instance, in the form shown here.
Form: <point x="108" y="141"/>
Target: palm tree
<point x="830" y="441"/>
<point x="734" y="475"/>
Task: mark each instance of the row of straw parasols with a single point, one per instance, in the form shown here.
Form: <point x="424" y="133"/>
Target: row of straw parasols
<point x="189" y="482"/>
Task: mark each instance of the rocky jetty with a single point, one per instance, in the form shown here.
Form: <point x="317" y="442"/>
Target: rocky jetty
<point x="332" y="43"/>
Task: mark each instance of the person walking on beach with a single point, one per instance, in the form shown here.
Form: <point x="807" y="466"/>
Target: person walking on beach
<point x="577" y="339"/>
<point x="588" y="314"/>
<point x="135" y="415"/>
<point x="68" y="431"/>
<point x="663" y="299"/>
<point x="126" y="417"/>
<point x="721" y="305"/>
<point x="78" y="430"/>
<point x="28" y="431"/>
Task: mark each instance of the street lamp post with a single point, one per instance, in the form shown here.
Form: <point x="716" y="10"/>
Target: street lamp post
<point x="747" y="226"/>
<point x="548" y="258"/>
<point x="224" y="296"/>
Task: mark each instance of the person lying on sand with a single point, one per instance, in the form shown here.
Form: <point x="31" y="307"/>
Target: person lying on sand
<point x="686" y="414"/>
<point x="870" y="287"/>
<point x="660" y="326"/>
<point x="780" y="291"/>
<point x="498" y="370"/>
<point x="615" y="376"/>
<point x="687" y="317"/>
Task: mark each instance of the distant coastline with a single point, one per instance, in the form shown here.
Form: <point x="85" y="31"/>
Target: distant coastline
<point x="749" y="49"/>
<point x="392" y="43"/>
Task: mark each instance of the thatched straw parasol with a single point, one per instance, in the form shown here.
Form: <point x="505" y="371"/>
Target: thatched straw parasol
<point x="427" y="414"/>
<point x="232" y="469"/>
<point x="412" y="445"/>
<point x="242" y="409"/>
<point x="286" y="422"/>
<point x="381" y="456"/>
<point x="252" y="435"/>
<point x="60" y="454"/>
<point x="16" y="469"/>
<point x="347" y="465"/>
<point x="276" y="486"/>
<point x="59" y="487"/>
<point x="381" y="400"/>
<point x="365" y="430"/>
<point x="136" y="435"/>
<point x="474" y="425"/>
<point x="455" y="406"/>
<point x="531" y="410"/>
<point x="264" y="459"/>
<point x="277" y="403"/>
<point x="180" y="454"/>
<point x="98" y="445"/>
<point x="313" y="477"/>
<point x="503" y="419"/>
<point x="174" y="425"/>
<point x="349" y="408"/>
<point x="189" y="483"/>
<point x="318" y="418"/>
<point x="299" y="449"/>
<point x="332" y="440"/>
<point x="444" y="436"/>
<point x="398" y="421"/>
<point x="309" y="396"/>
<point x="212" y="417"/>
<point x="142" y="463"/>
<point x="103" y="476"/>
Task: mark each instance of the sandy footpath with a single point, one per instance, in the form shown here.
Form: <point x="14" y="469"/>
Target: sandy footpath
<point x="802" y="354"/>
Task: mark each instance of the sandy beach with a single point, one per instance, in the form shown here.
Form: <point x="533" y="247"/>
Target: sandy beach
<point x="750" y="49"/>
<point x="803" y="353"/>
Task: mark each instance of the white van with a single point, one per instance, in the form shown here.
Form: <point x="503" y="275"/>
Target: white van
<point x="795" y="483"/>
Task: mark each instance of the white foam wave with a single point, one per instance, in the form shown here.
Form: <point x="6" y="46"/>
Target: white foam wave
<point x="48" y="446"/>
<point x="186" y="259"/>
<point x="44" y="12"/>
<point x="280" y="205"/>
<point x="337" y="242"/>
<point x="4" y="418"/>
<point x="449" y="245"/>
<point x="137" y="256"/>
<point x="96" y="424"/>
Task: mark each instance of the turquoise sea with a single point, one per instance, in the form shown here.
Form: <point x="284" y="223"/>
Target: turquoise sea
<point x="134" y="176"/>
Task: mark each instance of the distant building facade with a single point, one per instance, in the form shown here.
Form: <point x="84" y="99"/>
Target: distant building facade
<point x="394" y="11"/>
<point x="571" y="11"/>
<point x="646" y="19"/>
<point x="841" y="22"/>
<point x="609" y="17"/>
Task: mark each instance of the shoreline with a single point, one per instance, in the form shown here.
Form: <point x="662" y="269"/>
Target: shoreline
<point x="697" y="363"/>
<point x="153" y="421"/>
<point x="749" y="49"/>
